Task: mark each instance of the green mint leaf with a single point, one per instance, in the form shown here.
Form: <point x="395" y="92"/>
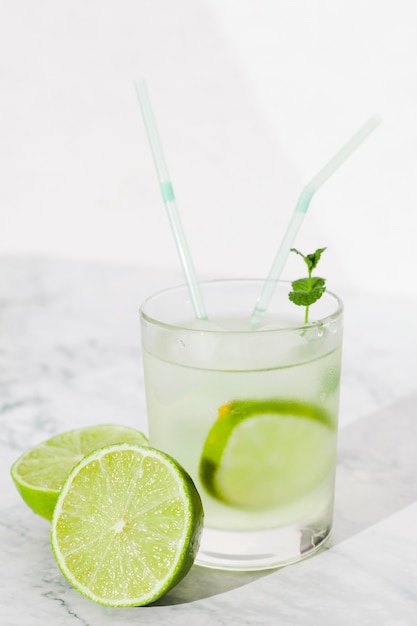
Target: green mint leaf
<point x="313" y="259"/>
<point x="302" y="284"/>
<point x="298" y="252"/>
<point x="299" y="298"/>
<point x="306" y="291"/>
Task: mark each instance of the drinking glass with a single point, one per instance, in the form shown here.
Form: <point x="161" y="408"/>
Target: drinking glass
<point x="250" y="413"/>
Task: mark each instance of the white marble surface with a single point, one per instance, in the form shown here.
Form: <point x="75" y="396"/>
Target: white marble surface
<point x="70" y="356"/>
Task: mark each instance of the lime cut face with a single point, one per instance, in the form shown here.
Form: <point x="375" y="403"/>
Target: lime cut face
<point x="264" y="454"/>
<point x="126" y="527"/>
<point x="41" y="471"/>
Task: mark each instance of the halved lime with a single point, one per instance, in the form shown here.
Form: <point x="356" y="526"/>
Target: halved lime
<point x="126" y="525"/>
<point x="262" y="454"/>
<point x="41" y="471"/>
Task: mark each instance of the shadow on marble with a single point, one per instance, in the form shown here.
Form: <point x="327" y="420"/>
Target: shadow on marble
<point x="203" y="583"/>
<point x="377" y="466"/>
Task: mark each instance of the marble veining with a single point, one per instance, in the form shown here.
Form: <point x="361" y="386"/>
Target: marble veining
<point x="70" y="356"/>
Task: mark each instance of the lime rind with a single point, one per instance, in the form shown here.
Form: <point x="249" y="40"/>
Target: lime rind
<point x="127" y="524"/>
<point x="40" y="501"/>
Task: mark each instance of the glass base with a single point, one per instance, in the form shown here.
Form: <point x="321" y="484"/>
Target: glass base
<point x="259" y="550"/>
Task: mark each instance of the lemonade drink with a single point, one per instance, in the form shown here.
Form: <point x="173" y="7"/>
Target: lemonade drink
<point x="250" y="414"/>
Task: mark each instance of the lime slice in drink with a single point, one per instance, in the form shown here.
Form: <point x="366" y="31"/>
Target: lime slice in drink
<point x="126" y="525"/>
<point x="40" y="472"/>
<point x="261" y="454"/>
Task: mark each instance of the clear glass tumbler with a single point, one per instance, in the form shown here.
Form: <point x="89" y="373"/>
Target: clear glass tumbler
<point x="251" y="414"/>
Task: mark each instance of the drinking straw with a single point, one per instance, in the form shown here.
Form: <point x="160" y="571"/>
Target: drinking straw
<point x="168" y="197"/>
<point x="299" y="213"/>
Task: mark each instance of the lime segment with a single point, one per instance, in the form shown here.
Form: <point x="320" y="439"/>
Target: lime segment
<point x="262" y="454"/>
<point x="127" y="525"/>
<point x="40" y="472"/>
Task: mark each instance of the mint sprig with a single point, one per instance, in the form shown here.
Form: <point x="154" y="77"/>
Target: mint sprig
<point x="306" y="291"/>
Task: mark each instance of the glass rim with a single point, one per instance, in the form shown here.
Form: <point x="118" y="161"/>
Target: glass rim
<point x="184" y="327"/>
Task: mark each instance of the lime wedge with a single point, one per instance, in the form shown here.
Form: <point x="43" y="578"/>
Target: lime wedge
<point x="262" y="454"/>
<point x="40" y="472"/>
<point x="126" y="525"/>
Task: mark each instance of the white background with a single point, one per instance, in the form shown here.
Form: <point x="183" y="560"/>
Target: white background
<point x="252" y="97"/>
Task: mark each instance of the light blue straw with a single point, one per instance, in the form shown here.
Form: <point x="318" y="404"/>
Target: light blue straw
<point x="299" y="214"/>
<point x="168" y="197"/>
